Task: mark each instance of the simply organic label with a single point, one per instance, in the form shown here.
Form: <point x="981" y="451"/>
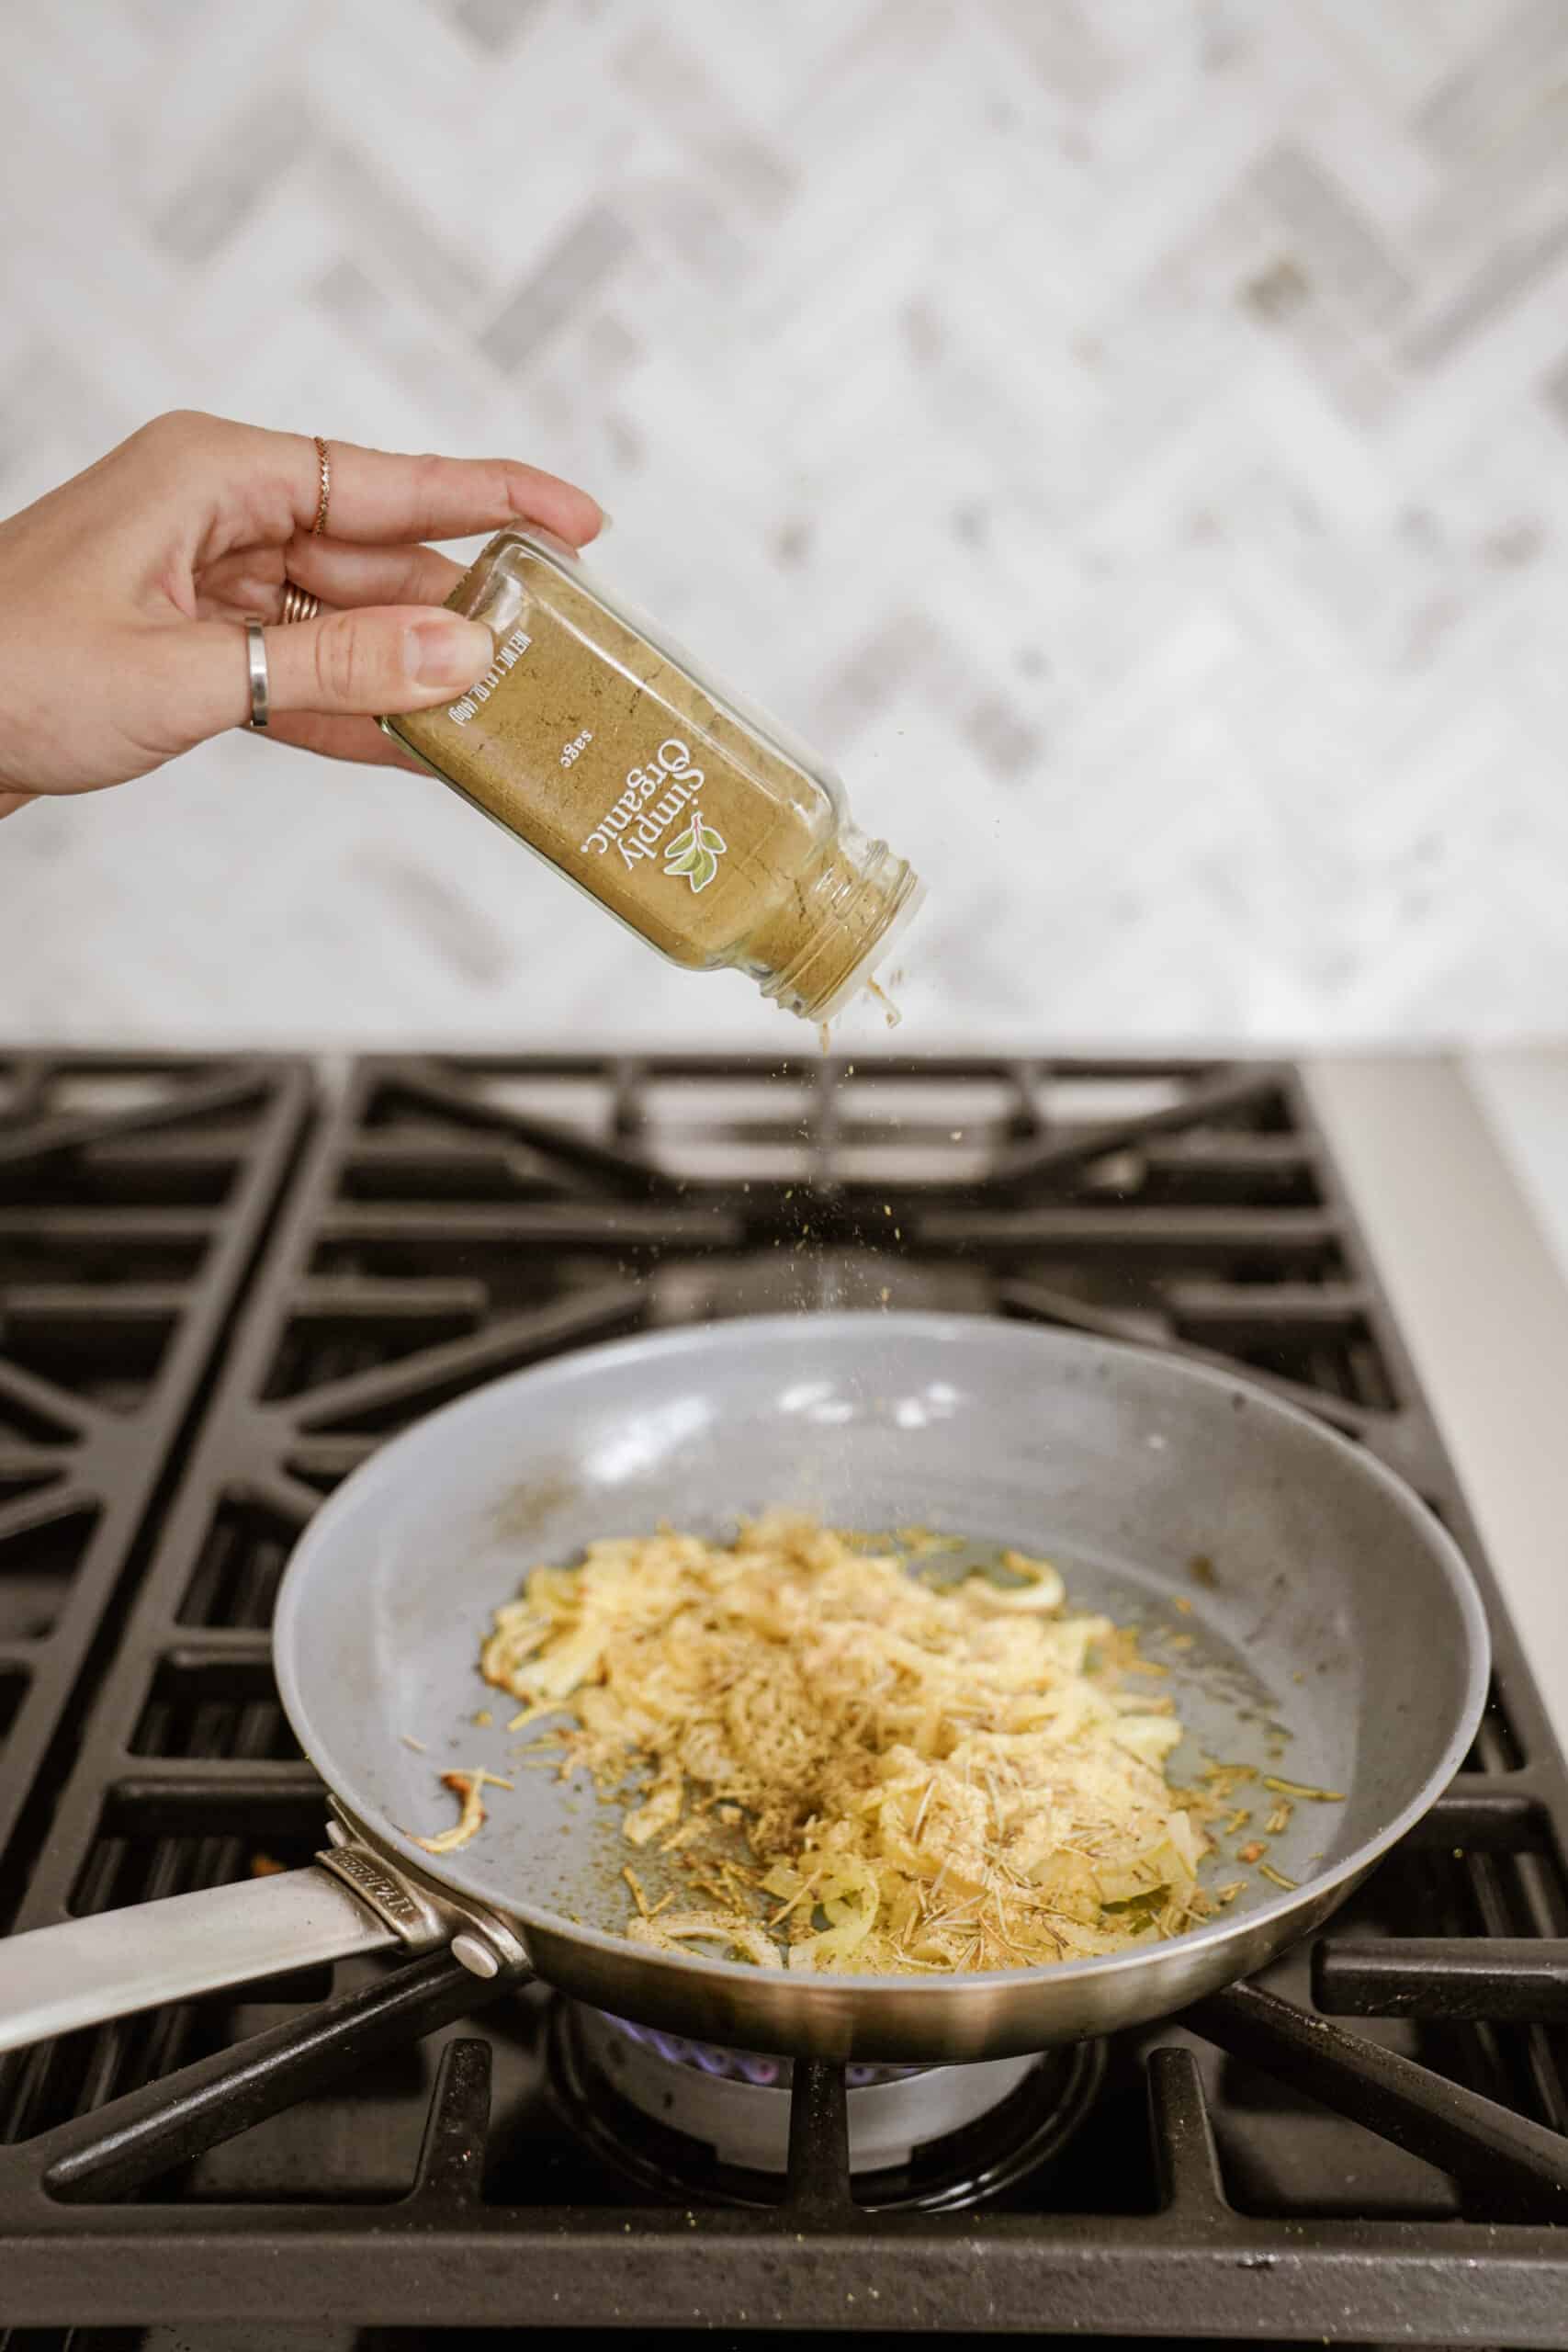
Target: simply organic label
<point x="655" y="795"/>
<point x="695" y="852"/>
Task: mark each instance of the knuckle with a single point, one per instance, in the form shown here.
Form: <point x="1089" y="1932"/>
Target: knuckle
<point x="429" y="472"/>
<point x="514" y="484"/>
<point x="344" y="659"/>
<point x="177" y="431"/>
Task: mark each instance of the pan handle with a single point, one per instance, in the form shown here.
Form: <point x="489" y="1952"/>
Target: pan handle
<point x="55" y="1979"/>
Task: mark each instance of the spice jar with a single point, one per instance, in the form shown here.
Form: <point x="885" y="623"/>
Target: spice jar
<point x="690" y="816"/>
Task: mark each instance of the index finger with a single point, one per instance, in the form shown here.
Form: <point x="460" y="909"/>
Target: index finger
<point x="377" y="494"/>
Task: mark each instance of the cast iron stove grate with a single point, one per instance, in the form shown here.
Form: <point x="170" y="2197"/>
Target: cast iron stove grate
<point x="398" y="2157"/>
<point x="132" y="1198"/>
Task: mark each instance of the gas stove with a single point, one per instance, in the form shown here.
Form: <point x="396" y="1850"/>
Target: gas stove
<point x="225" y="1281"/>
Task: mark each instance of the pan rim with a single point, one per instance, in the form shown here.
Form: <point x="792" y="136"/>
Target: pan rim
<point x="446" y="1871"/>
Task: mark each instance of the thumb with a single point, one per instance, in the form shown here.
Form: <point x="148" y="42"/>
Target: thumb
<point x="376" y="658"/>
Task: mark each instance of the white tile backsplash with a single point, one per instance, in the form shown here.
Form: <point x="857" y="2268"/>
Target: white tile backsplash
<point x="1131" y="441"/>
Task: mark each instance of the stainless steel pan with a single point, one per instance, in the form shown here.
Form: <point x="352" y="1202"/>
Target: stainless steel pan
<point x="1336" y="1641"/>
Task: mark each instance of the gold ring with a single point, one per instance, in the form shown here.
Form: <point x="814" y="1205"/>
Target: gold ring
<point x="325" y="463"/>
<point x="299" y="604"/>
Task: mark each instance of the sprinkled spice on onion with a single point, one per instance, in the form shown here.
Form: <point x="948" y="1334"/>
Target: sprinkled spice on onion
<point x="911" y="1777"/>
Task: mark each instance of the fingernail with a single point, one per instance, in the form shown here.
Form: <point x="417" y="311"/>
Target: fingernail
<point x="447" y="651"/>
<point x="605" y="518"/>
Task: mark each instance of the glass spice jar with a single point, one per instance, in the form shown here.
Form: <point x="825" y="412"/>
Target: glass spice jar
<point x="693" y="818"/>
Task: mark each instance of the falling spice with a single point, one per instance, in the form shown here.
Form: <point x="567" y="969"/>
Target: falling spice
<point x="699" y="826"/>
<point x="890" y="1012"/>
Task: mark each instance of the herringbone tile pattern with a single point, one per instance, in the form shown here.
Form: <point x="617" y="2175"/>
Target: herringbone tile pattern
<point x="1132" y="439"/>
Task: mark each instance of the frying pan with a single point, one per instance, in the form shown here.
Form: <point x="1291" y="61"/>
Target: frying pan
<point x="1315" y="1619"/>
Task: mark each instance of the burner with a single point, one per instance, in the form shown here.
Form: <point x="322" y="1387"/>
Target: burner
<point x="691" y="2117"/>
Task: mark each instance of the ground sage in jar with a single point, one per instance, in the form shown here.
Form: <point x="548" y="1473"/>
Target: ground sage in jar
<point x="691" y="818"/>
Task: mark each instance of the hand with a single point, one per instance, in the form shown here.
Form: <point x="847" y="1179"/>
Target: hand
<point x="122" y="595"/>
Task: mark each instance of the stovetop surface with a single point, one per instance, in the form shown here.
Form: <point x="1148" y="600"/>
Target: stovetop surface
<point x="223" y="1282"/>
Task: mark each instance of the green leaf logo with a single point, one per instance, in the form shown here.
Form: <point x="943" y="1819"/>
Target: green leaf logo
<point x="695" y="852"/>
